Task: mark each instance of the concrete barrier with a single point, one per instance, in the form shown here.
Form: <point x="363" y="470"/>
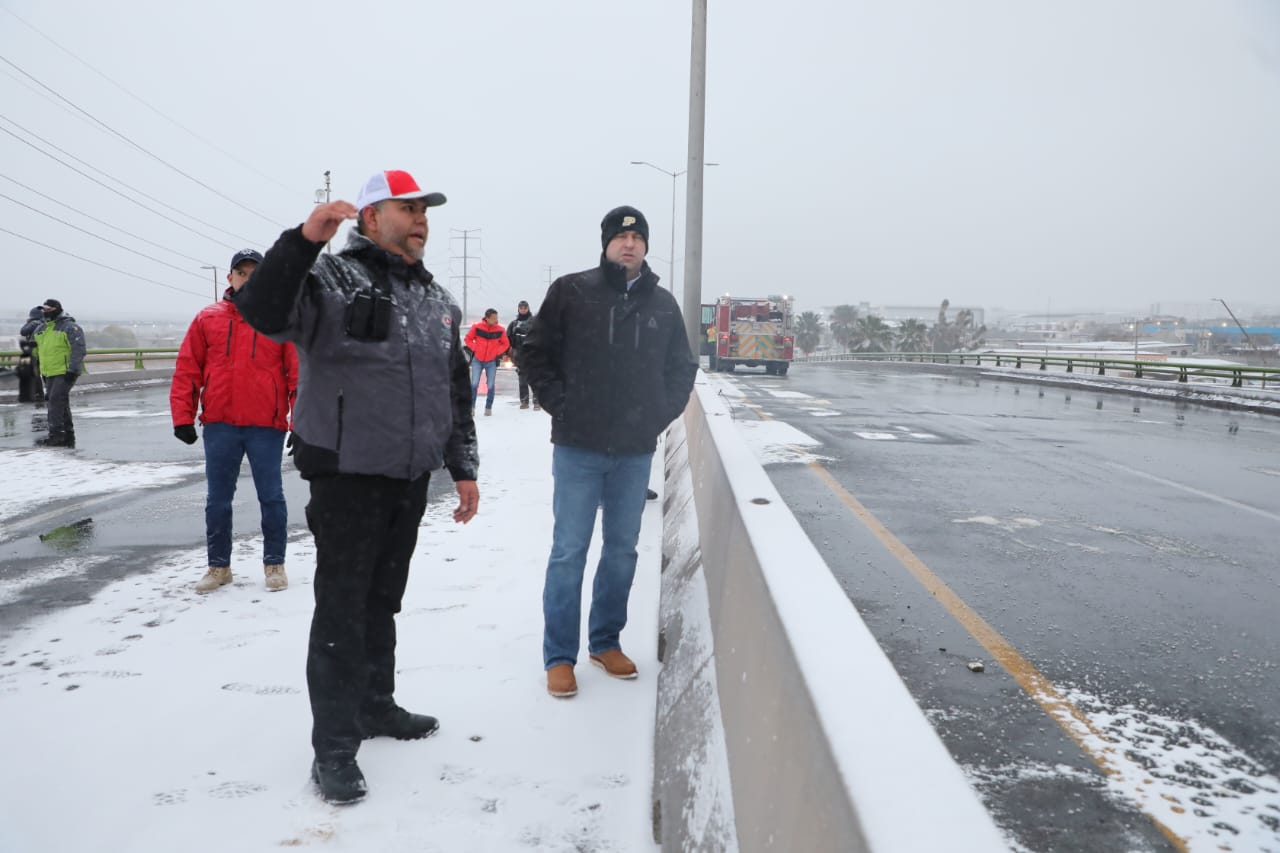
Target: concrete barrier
<point x="781" y="725"/>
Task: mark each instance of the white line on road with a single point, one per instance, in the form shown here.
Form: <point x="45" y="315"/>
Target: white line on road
<point x="1197" y="492"/>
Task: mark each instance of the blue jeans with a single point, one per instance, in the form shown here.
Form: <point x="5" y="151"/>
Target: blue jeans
<point x="585" y="480"/>
<point x="490" y="370"/>
<point x="225" y="446"/>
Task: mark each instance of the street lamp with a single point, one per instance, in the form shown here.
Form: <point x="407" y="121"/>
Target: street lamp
<point x="322" y="197"/>
<point x="671" y="265"/>
<point x="215" y="280"/>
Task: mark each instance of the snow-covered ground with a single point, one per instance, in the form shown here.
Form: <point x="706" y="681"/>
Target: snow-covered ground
<point x="156" y="719"/>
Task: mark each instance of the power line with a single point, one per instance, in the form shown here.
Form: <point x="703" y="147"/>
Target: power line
<point x="126" y="139"/>
<point x="153" y="109"/>
<point x="100" y="237"/>
<point x="97" y="264"/>
<point x="125" y="197"/>
<point x="97" y="220"/>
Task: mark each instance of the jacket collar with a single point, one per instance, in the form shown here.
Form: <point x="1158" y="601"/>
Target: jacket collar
<point x="373" y="255"/>
<point x="615" y="276"/>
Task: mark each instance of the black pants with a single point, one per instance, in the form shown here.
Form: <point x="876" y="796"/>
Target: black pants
<point x="30" y="385"/>
<point x="58" y="391"/>
<point x="365" y="529"/>
<point x="524" y="384"/>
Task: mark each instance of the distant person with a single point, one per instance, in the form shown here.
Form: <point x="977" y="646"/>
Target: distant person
<point x="610" y="362"/>
<point x="243" y="385"/>
<point x="487" y="341"/>
<point x="60" y="351"/>
<point x="517" y="331"/>
<point x="30" y="385"/>
<point x="383" y="402"/>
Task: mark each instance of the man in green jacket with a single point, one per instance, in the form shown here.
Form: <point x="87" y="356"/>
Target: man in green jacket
<point x="60" y="348"/>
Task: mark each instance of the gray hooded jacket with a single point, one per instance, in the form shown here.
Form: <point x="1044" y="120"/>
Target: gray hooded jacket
<point x="397" y="407"/>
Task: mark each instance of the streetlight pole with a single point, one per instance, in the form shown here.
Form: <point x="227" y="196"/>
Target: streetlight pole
<point x="671" y="264"/>
<point x="322" y="197"/>
<point x="215" y="280"/>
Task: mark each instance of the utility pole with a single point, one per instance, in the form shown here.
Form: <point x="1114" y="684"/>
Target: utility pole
<point x="692" y="304"/>
<point x="466" y="257"/>
<point x="215" y="280"/>
<point x="550" y="273"/>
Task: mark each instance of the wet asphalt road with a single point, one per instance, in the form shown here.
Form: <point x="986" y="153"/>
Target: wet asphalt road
<point x="1125" y="546"/>
<point x="130" y="529"/>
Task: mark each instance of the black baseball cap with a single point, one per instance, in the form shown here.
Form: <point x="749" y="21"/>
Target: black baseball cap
<point x="245" y="255"/>
<point x="53" y="304"/>
<point x="523" y="304"/>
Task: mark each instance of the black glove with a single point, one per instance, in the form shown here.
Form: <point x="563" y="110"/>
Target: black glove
<point x="71" y="375"/>
<point x="186" y="433"/>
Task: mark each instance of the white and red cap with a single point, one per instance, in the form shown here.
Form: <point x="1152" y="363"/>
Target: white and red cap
<point x="394" y="184"/>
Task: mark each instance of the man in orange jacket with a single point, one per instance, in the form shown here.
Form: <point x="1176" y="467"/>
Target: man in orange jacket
<point x="244" y="385"/>
<point x="487" y="340"/>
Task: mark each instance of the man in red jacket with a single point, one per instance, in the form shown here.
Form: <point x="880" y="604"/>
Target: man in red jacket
<point x="487" y="341"/>
<point x="243" y="384"/>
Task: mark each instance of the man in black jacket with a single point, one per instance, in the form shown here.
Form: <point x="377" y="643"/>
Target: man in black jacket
<point x="384" y="398"/>
<point x="610" y="362"/>
<point x="517" y="331"/>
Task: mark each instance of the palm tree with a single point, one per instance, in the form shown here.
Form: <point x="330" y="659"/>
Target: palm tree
<point x="968" y="337"/>
<point x="843" y="318"/>
<point x="871" y="334"/>
<point x="913" y="336"/>
<point x="808" y="331"/>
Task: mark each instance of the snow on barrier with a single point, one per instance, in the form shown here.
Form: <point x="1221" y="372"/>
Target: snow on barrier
<point x="781" y="725"/>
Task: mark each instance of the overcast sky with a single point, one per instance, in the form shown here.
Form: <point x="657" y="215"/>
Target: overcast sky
<point x="1116" y="154"/>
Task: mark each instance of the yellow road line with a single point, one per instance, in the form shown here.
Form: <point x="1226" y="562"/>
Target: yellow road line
<point x="1041" y="690"/>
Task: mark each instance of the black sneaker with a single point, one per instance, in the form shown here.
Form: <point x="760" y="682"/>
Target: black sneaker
<point x="650" y="495"/>
<point x="339" y="780"/>
<point x="393" y="721"/>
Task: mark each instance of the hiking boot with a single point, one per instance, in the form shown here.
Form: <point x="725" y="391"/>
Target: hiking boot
<point x="214" y="578"/>
<point x="276" y="578"/>
<point x="560" y="681"/>
<point x="387" y="719"/>
<point x="536" y="407"/>
<point x="650" y="495"/>
<point x="339" y="779"/>
<point x="524" y="404"/>
<point x="488" y="412"/>
<point x="615" y="663"/>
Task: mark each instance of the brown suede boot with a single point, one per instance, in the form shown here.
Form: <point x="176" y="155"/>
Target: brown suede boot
<point x="560" y="681"/>
<point x="615" y="663"/>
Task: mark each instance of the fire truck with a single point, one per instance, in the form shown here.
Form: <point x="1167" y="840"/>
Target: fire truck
<point x="752" y="331"/>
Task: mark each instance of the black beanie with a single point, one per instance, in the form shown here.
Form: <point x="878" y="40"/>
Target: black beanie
<point x="625" y="218"/>
<point x="54" y="304"/>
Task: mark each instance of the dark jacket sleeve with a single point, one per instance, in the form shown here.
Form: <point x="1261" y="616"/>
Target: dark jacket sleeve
<point x="271" y="300"/>
<point x="462" y="452"/>
<point x="75" y="339"/>
<point x="680" y="369"/>
<point x="540" y="352"/>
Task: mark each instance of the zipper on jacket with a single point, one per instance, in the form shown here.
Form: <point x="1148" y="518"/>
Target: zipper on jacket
<point x="339" y="447"/>
<point x="413" y="409"/>
<point x="231" y="327"/>
<point x="253" y="350"/>
<point x="611" y="325"/>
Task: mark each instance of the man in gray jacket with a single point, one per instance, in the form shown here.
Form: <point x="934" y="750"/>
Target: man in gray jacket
<point x="384" y="398"/>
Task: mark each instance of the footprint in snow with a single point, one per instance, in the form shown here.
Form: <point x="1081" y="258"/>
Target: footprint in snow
<point x="260" y="689"/>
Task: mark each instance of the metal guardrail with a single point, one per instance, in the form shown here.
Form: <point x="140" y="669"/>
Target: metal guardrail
<point x="1238" y="374"/>
<point x="138" y="355"/>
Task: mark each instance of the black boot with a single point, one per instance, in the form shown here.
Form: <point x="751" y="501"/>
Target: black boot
<point x="339" y="779"/>
<point x="52" y="441"/>
<point x="384" y="718"/>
